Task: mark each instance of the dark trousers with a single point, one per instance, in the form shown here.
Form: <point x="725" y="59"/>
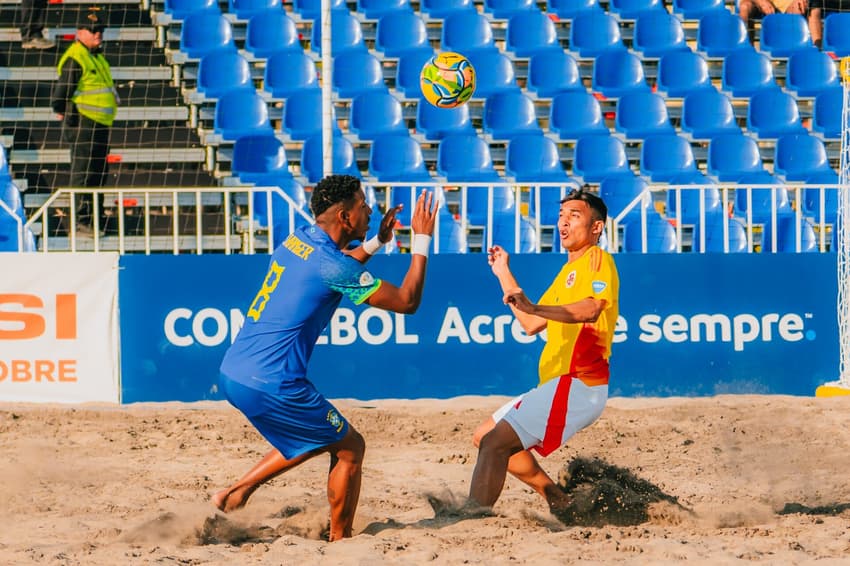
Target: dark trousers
<point x="89" y="147"/>
<point x="32" y="18"/>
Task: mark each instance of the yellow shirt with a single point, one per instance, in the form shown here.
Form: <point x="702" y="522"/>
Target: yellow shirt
<point x="582" y="349"/>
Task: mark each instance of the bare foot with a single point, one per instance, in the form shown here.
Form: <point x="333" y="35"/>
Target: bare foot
<point x="231" y="499"/>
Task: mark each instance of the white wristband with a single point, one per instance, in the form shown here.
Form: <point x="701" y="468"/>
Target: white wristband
<point x="372" y="245"/>
<point x="421" y="244"/>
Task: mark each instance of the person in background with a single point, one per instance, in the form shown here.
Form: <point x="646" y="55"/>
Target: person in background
<point x="819" y="10"/>
<point x="84" y="98"/>
<point x="32" y="25"/>
<point x="751" y="10"/>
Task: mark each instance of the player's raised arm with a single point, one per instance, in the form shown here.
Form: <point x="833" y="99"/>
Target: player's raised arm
<point x="406" y="298"/>
<point x="386" y="231"/>
<point x="499" y="261"/>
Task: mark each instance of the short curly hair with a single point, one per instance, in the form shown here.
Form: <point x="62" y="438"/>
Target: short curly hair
<point x="332" y="190"/>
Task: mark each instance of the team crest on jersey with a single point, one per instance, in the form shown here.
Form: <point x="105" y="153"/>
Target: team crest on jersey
<point x="366" y="279"/>
<point x="571" y="279"/>
<point x="335" y="420"/>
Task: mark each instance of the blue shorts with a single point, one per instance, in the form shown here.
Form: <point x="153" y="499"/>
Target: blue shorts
<point x="296" y="419"/>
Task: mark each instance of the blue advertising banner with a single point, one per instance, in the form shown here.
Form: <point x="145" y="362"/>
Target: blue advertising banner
<point x="689" y="325"/>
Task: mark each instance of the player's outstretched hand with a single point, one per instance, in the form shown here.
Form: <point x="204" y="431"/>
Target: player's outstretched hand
<point x="498" y="259"/>
<point x="425" y="214"/>
<point x="516" y="298"/>
<point x="385" y="231"/>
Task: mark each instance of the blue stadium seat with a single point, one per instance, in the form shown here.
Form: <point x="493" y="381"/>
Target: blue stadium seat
<point x="205" y="32"/>
<point x="736" y="234"/>
<point x="826" y="118"/>
<point x="270" y="33"/>
<point x="465" y="157"/>
<point x="720" y="33"/>
<point x="280" y="207"/>
<point x="684" y="204"/>
<point x="813" y="196"/>
<point x="550" y="201"/>
<point x="182" y="9"/>
<point x="732" y="156"/>
<point x="616" y="73"/>
<point x="400" y="32"/>
<point x="11" y="197"/>
<point x="657" y="33"/>
<point x="530" y="33"/>
<point x="223" y="71"/>
<point x="810" y="72"/>
<point x="9" y="235"/>
<point x="494" y="73"/>
<point x="394" y="158"/>
<point x="665" y="156"/>
<point x="241" y="113"/>
<point x="773" y="113"/>
<point x="377" y="9"/>
<point x="258" y="157"/>
<point x="441" y="9"/>
<point x="619" y="191"/>
<point x="762" y="198"/>
<point x="343" y="160"/>
<point x="357" y="72"/>
<point x="534" y="158"/>
<point x="507" y="9"/>
<point x="783" y="34"/>
<point x="835" y="36"/>
<point x="696" y="9"/>
<point x="451" y="236"/>
<point x="569" y="9"/>
<point x="576" y="114"/>
<point x="594" y="32"/>
<point x="745" y="72"/>
<point x="375" y="114"/>
<point x="247" y="9"/>
<point x="4" y="165"/>
<point x="597" y="157"/>
<point x="302" y="114"/>
<point x="466" y="32"/>
<point x="346" y="35"/>
<point x="708" y="113"/>
<point x="552" y="72"/>
<point x="436" y="123"/>
<point x="786" y="236"/>
<point x="504" y="234"/>
<point x="476" y="203"/>
<point x="289" y="72"/>
<point x="408" y="71"/>
<point x="633" y="9"/>
<point x="799" y="156"/>
<point x="681" y="73"/>
<point x="312" y="9"/>
<point x="642" y="114"/>
<point x="660" y="236"/>
<point x="510" y="114"/>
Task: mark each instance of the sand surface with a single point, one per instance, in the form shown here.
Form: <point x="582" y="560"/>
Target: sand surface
<point x="130" y="485"/>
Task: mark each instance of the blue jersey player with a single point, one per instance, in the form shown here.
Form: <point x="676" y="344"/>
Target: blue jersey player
<point x="264" y="372"/>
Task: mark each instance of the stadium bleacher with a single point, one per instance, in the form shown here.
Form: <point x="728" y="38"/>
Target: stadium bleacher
<point x="613" y="90"/>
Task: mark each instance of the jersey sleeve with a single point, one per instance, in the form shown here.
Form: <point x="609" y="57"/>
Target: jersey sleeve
<point x="604" y="282"/>
<point x="349" y="277"/>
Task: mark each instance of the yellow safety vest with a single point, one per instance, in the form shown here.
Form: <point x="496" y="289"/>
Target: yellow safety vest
<point x="95" y="96"/>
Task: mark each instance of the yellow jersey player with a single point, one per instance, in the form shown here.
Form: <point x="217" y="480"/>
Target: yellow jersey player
<point x="579" y="313"/>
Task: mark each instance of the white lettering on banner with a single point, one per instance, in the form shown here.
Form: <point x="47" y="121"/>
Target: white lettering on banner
<point x="59" y="335"/>
<point x="453" y="327"/>
<point x="214" y="320"/>
<point x="345" y="327"/>
<point x="740" y="330"/>
<point x="620" y="330"/>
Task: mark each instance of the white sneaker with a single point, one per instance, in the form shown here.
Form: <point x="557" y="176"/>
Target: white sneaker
<point x="38" y="43"/>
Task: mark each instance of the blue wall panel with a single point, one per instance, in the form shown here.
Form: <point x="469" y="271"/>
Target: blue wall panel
<point x="690" y="325"/>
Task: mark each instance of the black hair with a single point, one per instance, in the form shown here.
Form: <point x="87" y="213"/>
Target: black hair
<point x="332" y="190"/>
<point x="597" y="206"/>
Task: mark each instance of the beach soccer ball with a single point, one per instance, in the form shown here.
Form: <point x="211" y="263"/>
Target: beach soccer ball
<point x="447" y="80"/>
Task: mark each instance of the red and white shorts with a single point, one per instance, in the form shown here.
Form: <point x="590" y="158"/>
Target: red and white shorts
<point x="548" y="415"/>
